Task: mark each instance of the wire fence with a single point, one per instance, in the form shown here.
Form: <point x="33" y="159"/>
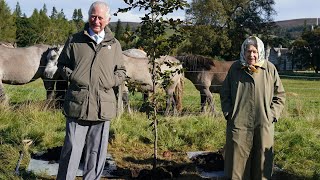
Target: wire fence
<point x="302" y="92"/>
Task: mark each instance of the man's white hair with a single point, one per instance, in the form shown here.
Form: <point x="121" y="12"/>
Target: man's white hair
<point x="100" y="3"/>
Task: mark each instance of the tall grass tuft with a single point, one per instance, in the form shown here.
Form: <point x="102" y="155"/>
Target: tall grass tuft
<point x="45" y="127"/>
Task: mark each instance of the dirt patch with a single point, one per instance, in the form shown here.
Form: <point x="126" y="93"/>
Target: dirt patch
<point x="172" y="165"/>
<point x="52" y="154"/>
<point x="211" y="161"/>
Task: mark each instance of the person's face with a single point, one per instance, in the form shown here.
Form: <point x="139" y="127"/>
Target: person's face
<point x="251" y="55"/>
<point x="98" y="20"/>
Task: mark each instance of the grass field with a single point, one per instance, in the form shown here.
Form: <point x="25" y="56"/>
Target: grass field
<point x="297" y="143"/>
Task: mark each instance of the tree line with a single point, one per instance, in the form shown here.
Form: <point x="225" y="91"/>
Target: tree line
<point x="18" y="29"/>
<point x="213" y="28"/>
<point x="23" y="31"/>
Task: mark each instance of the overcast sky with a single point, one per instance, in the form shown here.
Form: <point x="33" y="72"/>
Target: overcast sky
<point x="286" y="9"/>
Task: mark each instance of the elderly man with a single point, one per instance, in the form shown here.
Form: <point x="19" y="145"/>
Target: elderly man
<point x="92" y="63"/>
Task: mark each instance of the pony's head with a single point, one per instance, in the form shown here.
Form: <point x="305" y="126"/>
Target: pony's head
<point x="52" y="61"/>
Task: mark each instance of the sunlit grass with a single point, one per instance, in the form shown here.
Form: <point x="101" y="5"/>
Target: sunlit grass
<point x="33" y="91"/>
<point x="131" y="138"/>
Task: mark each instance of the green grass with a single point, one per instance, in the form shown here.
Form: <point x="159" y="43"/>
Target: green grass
<point x="297" y="133"/>
<point x="45" y="127"/>
<point x="297" y="144"/>
<point x="33" y="91"/>
<point x="303" y="99"/>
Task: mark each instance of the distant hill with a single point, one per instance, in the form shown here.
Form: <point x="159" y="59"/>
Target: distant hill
<point x="284" y="23"/>
<point x="291" y="27"/>
<point x="297" y="22"/>
<point x="133" y="25"/>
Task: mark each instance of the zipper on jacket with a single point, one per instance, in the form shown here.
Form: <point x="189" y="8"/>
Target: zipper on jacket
<point x="92" y="62"/>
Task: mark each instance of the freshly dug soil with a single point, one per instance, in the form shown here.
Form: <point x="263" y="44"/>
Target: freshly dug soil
<point x="211" y="161"/>
<point x="208" y="162"/>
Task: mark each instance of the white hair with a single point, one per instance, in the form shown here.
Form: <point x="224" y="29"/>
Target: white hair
<point x="100" y="3"/>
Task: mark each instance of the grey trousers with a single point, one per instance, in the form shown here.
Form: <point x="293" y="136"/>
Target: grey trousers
<point x="91" y="136"/>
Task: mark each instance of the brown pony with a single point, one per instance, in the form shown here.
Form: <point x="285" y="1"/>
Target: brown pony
<point x="206" y="74"/>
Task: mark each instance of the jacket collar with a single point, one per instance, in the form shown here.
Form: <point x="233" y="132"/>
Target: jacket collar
<point x="100" y="35"/>
<point x="108" y="37"/>
<point x="239" y="65"/>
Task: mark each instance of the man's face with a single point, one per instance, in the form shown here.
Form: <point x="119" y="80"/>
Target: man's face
<point x="251" y="55"/>
<point x="98" y="20"/>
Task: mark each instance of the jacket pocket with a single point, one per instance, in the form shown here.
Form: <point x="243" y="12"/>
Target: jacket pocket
<point x="107" y="109"/>
<point x="75" y="103"/>
<point x="269" y="115"/>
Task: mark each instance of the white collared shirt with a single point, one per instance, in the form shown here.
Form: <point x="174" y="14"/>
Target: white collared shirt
<point x="97" y="37"/>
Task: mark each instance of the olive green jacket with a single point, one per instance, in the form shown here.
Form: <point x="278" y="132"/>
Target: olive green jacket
<point x="92" y="71"/>
<point x="251" y="103"/>
<point x="245" y="104"/>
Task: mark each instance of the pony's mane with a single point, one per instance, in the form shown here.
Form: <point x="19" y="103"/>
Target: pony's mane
<point x="193" y="62"/>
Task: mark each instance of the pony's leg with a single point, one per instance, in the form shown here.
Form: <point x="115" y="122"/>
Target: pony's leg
<point x="174" y="104"/>
<point x="145" y="96"/>
<point x="125" y="98"/>
<point x="203" y="100"/>
<point x="56" y="90"/>
<point x="144" y="107"/>
<point x="2" y="94"/>
<point x="210" y="100"/>
<point x="60" y="91"/>
<point x="49" y="86"/>
<point x="174" y="96"/>
<point x="206" y="96"/>
<point x="177" y="95"/>
<point x="126" y="101"/>
<point x="170" y="102"/>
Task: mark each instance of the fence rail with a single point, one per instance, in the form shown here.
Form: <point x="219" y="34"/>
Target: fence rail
<point x="299" y="89"/>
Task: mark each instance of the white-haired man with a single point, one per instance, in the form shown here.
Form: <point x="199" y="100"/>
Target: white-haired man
<point x="92" y="63"/>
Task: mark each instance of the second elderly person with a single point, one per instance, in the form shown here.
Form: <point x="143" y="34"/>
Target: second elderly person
<point x="252" y="99"/>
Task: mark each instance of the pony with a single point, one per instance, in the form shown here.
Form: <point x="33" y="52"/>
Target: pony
<point x="55" y="85"/>
<point x="207" y="75"/>
<point x="23" y="65"/>
<point x="138" y="74"/>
